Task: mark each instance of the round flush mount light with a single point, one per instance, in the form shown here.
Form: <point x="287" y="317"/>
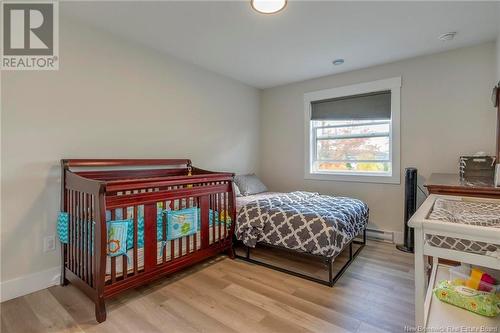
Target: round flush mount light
<point x="338" y="62"/>
<point x="448" y="36"/>
<point x="268" y="6"/>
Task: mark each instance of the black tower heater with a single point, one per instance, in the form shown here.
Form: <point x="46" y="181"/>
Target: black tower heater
<point x="410" y="208"/>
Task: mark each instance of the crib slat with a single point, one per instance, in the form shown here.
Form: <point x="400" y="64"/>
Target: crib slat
<point x="64" y="247"/>
<point x="210" y="229"/>
<point x="113" y="259"/>
<point x="184" y="239"/>
<point x="226" y="213"/>
<point x="204" y="207"/>
<point x="179" y="242"/>
<point x="209" y="217"/>
<point x="188" y="238"/>
<point x="71" y="230"/>
<point x="219" y="212"/>
<point x="164" y="232"/>
<point x="172" y="242"/>
<point x="124" y="264"/>
<point x="214" y="208"/>
<point x="75" y="233"/>
<point x="84" y="237"/>
<point x="150" y="236"/>
<point x="136" y="226"/>
<point x="90" y="242"/>
<point x="229" y="213"/>
<point x="87" y="235"/>
<point x="79" y="235"/>
<point x="81" y="238"/>
<point x="195" y="241"/>
<point x="84" y="234"/>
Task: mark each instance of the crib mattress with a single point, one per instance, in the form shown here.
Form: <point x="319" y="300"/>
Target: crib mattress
<point x="178" y="251"/>
<point x="466" y="212"/>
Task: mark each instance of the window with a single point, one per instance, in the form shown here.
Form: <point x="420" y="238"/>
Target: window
<point x="352" y="133"/>
<point x="352" y="146"/>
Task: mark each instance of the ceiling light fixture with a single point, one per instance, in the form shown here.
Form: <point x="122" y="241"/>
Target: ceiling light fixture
<point x="338" y="62"/>
<point x="268" y="6"/>
<point x="448" y="36"/>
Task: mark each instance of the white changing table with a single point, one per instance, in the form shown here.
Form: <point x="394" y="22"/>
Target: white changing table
<point x="429" y="311"/>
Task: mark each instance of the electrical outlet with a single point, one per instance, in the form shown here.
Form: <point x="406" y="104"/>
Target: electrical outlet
<point x="49" y="243"/>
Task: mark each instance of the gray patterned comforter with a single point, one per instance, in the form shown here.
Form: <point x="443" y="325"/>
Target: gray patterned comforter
<point x="302" y="221"/>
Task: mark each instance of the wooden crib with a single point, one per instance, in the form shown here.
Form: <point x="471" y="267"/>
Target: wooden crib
<point x="93" y="191"/>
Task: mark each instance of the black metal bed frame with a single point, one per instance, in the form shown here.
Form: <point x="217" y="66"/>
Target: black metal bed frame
<point x="328" y="261"/>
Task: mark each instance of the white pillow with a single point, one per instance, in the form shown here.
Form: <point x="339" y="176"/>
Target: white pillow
<point x="237" y="190"/>
<point x="249" y="184"/>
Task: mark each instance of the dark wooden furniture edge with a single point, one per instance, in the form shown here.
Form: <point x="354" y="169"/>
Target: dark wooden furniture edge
<point x="450" y="184"/>
<point x="464" y="191"/>
<point x="123" y="162"/>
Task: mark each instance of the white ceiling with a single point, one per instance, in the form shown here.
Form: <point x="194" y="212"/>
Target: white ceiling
<point x="297" y="44"/>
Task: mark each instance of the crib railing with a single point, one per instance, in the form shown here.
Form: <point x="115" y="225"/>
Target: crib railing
<point x="80" y="206"/>
<point x="158" y="249"/>
<point x="83" y="200"/>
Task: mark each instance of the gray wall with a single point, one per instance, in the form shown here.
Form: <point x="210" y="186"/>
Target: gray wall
<point x="110" y="99"/>
<point x="498" y="56"/>
<point x="446" y="111"/>
<point x="498" y="45"/>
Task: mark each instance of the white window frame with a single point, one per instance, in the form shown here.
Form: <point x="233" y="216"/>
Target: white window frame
<point x="394" y="177"/>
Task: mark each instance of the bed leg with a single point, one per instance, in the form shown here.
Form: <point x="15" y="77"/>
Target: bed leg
<point x="230" y="252"/>
<point x="330" y="272"/>
<point x="100" y="310"/>
<point x="63" y="280"/>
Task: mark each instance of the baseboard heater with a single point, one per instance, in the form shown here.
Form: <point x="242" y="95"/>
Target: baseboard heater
<point x="381" y="235"/>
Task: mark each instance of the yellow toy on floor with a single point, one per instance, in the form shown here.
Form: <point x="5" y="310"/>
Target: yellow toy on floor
<point x="480" y="280"/>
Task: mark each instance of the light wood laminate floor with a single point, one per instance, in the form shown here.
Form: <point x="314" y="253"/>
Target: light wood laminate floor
<point x="222" y="295"/>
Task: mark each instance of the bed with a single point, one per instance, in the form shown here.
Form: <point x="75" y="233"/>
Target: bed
<point x="303" y="222"/>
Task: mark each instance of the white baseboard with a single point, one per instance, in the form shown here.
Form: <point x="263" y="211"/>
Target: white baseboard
<point x="397" y="236"/>
<point x="28" y="284"/>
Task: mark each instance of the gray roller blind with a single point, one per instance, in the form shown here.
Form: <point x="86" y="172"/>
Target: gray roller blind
<point x="375" y="106"/>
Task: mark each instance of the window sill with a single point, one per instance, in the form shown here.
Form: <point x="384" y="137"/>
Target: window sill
<point x="393" y="179"/>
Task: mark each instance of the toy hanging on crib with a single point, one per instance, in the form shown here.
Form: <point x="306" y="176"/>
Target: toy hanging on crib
<point x="190" y="169"/>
